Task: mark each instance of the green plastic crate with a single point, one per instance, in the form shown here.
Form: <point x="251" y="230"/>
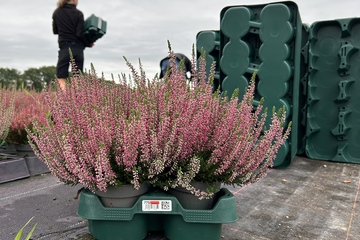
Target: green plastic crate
<point x="176" y="222"/>
<point x="303" y="90"/>
<point x="94" y="28"/>
<point x="266" y="38"/>
<point x="333" y="91"/>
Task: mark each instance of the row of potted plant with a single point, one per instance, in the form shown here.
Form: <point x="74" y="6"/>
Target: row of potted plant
<point x="19" y="108"/>
<point x="166" y="132"/>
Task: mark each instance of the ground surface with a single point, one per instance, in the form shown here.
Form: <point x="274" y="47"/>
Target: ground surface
<point x="308" y="200"/>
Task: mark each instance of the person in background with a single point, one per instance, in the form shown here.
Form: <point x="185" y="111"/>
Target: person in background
<point x="68" y="23"/>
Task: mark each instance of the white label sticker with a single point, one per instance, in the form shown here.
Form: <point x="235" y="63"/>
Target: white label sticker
<point x="156" y="205"/>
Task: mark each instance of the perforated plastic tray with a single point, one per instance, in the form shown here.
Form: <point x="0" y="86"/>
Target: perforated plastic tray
<point x="177" y="223"/>
<point x="266" y="38"/>
<point x="333" y="124"/>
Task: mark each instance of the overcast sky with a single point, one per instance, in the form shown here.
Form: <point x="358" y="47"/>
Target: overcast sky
<point x="135" y="29"/>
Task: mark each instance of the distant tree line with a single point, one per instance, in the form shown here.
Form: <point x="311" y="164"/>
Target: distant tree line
<point x="33" y="78"/>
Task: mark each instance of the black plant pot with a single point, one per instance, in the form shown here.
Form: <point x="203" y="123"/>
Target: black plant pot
<point x="36" y="166"/>
<point x="13" y="169"/>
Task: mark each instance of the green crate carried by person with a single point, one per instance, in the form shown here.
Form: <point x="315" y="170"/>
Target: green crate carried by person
<point x="95" y="28"/>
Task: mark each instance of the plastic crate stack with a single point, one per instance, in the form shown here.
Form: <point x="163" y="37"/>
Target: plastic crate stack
<point x="311" y="70"/>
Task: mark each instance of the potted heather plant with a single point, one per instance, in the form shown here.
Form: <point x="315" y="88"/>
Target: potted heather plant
<point x="168" y="133"/>
<point x="6" y="114"/>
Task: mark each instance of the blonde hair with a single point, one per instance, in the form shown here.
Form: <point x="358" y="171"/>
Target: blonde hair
<point x="61" y="3"/>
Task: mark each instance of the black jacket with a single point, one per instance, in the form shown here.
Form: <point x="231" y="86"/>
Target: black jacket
<point x="68" y="23"/>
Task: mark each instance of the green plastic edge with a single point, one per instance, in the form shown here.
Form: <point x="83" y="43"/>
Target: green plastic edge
<point x="224" y="211"/>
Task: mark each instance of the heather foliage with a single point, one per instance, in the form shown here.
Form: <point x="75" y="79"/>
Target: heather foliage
<point x="86" y="124"/>
<point x="29" y="106"/>
<point x="210" y="138"/>
<point x="6" y="112"/>
<point x="167" y="132"/>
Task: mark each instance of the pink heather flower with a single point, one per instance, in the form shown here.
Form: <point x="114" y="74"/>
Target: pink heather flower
<point x="168" y="132"/>
<point x="29" y="106"/>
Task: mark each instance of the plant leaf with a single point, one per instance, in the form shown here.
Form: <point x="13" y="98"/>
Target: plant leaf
<point x="18" y="235"/>
<point x="31" y="232"/>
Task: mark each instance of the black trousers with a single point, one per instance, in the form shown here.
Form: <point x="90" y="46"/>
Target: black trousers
<point x="62" y="67"/>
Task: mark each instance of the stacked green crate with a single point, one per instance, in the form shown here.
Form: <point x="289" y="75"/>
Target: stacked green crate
<point x="266" y="38"/>
<point x="333" y="91"/>
<point x="209" y="41"/>
<point x="303" y="89"/>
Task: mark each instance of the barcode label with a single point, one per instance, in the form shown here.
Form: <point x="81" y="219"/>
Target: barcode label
<point x="156" y="205"/>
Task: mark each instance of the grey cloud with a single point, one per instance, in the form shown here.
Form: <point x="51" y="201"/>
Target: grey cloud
<point x="136" y="29"/>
